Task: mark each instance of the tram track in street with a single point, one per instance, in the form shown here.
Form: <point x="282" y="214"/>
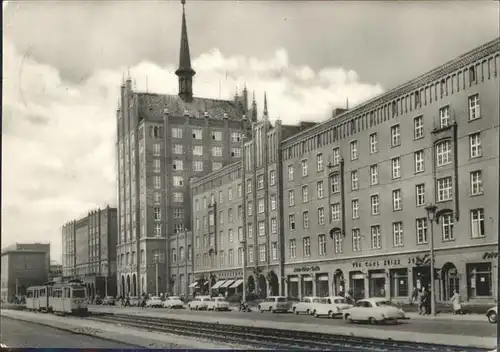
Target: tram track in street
<point x="271" y="338"/>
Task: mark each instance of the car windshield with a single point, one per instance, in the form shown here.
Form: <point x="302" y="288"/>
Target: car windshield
<point x="340" y="300"/>
<point x="281" y="299"/>
<point x="79" y="293"/>
<point x="385" y="304"/>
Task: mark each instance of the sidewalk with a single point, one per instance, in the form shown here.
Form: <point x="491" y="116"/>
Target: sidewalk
<point x="448" y="316"/>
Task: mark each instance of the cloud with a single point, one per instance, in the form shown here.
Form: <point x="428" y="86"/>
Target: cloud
<point x="59" y="137"/>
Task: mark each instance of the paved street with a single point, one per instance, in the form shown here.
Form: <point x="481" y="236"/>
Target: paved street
<point x="453" y="327"/>
<point x="15" y="333"/>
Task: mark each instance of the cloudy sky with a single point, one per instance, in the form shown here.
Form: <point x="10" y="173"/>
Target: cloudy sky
<point x="63" y="63"/>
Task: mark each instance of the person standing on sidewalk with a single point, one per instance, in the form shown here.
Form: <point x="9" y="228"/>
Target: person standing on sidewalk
<point x="456" y="301"/>
<point x="422" y="304"/>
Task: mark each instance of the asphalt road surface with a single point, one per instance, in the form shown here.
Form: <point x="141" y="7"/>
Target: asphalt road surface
<point x="452" y="327"/>
<point x="15" y="333"/>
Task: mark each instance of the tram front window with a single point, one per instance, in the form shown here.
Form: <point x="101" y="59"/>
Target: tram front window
<point x="79" y="293"/>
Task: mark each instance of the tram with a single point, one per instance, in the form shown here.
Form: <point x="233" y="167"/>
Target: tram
<point x="58" y="297"/>
<point x="38" y="298"/>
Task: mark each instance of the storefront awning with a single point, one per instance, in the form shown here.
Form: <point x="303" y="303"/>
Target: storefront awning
<point x="194" y="284"/>
<point x="227" y="283"/>
<point x="237" y="283"/>
<point x="218" y="284"/>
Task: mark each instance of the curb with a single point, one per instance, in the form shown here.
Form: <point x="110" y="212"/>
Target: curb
<point x="74" y="332"/>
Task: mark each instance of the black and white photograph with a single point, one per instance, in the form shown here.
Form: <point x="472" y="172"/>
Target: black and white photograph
<point x="209" y="174"/>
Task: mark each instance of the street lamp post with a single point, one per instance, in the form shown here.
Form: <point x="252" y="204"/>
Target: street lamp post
<point x="156" y="260"/>
<point x="431" y="215"/>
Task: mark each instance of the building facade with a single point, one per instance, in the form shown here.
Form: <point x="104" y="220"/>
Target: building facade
<point x="23" y="265"/>
<point x="344" y="205"/>
<point x="89" y="250"/>
<point x="162" y="142"/>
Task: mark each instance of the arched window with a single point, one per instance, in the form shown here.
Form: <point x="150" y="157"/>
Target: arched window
<point x="174" y="256"/>
<point x="181" y="254"/>
<point x="443" y="84"/>
<point x="472" y="75"/>
<point x="417" y="100"/>
<point x="189" y="253"/>
<point x="141" y="258"/>
<point x="394" y="109"/>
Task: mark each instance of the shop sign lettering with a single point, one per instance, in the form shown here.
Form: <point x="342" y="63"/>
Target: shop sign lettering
<point x="490" y="255"/>
<point x="306" y="269"/>
<point x="384" y="263"/>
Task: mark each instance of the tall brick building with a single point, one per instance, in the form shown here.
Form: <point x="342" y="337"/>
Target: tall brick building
<point x="162" y="142"/>
<point x="342" y="205"/>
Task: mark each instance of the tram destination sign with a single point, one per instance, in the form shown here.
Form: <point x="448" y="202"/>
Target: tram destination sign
<point x="306" y="269"/>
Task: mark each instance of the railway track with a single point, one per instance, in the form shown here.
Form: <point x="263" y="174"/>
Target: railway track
<point x="272" y="338"/>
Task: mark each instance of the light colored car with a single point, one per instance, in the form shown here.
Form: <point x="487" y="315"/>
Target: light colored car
<point x="108" y="301"/>
<point x="492" y="315"/>
<point x="173" y="302"/>
<point x="154" y="302"/>
<point x="374" y="310"/>
<point x="218" y="303"/>
<point x="199" y="303"/>
<point x="275" y="304"/>
<point x="330" y="306"/>
<point x="134" y="301"/>
<point x="304" y="305"/>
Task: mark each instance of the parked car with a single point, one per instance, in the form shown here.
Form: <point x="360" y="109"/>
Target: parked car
<point x="331" y="307"/>
<point x="108" y="301"/>
<point x="134" y="301"/>
<point x="154" y="302"/>
<point x="492" y="315"/>
<point x="173" y="302"/>
<point x="374" y="310"/>
<point x="275" y="304"/>
<point x="218" y="303"/>
<point x="199" y="303"/>
<point x="304" y="305"/>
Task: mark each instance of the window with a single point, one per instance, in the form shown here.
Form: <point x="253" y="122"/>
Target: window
<point x="178" y="213"/>
<point x="273" y="201"/>
<point x="443" y="153"/>
<point x="374" y="201"/>
<point x="395" y="136"/>
<point x="240" y="212"/>
<point x="260" y="181"/>
<point x="176" y="132"/>
<point x="197" y="150"/>
<point x="354" y="150"/>
<point x="337" y="242"/>
<point x="420" y="194"/>
<point x="230" y="257"/>
<point x="230" y="213"/>
<point x="177" y="165"/>
<point x="291" y="198"/>
<point x="274" y="250"/>
<point x="305" y="219"/>
<point x="156" y="165"/>
<point x="354" y="180"/>
<point x="291" y="222"/>
<point x="444" y="117"/>
<point x="319" y="162"/>
<point x="419" y="161"/>
<point x="305" y="194"/>
<point x="262" y="253"/>
<point x="222" y="258"/>
<point x="480" y="280"/>
<point x="304" y="167"/>
<point x="376" y="237"/>
<point x="250" y="231"/>
<point x="476" y="183"/>
<point x="418" y="127"/>
<point x="292" y="248"/>
<point x="421" y="225"/>
<point x="356" y="240"/>
<point x="396" y="167"/>
<point x="335" y="181"/>
<point x="373" y="175"/>
<point x="321" y="216"/>
<point x="156" y="149"/>
<point x="335" y="211"/>
<point x="475" y="145"/>
<point x="230" y="235"/>
<point x="306" y="241"/>
<point x="157" y="198"/>
<point x="321" y="245"/>
<point x="336" y="156"/>
<point x="444" y="186"/>
<point x="240" y="190"/>
<point x="272" y="177"/>
<point x="197" y="134"/>
<point x="216" y="151"/>
<point x="235" y="137"/>
<point x="156" y="182"/>
<point x="178" y="149"/>
<point x="178" y="197"/>
<point x="197" y="165"/>
<point x="397" y="233"/>
<point x="355" y="208"/>
<point x="260" y="203"/>
<point x="216" y="166"/>
<point x="178" y="181"/>
<point x="447" y="227"/>
<point x="290" y="172"/>
<point x="373" y="143"/>
<point x="319" y="189"/>
<point x="397" y="200"/>
<point x="249" y="185"/>
<point x="274" y="225"/>
<point x="157" y="230"/>
<point x="477" y="223"/>
<point x="474" y="107"/>
<point x="217" y="135"/>
<point x="230" y="193"/>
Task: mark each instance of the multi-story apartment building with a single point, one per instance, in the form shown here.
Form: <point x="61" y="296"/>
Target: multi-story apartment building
<point x="345" y="206"/>
<point x="357" y="189"/>
<point x="162" y="141"/>
<point x="89" y="250"/>
<point x="236" y="211"/>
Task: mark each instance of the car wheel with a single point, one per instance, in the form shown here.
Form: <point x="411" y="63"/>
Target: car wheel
<point x="331" y="315"/>
<point x="372" y="321"/>
<point x="348" y="318"/>
<point x="492" y="317"/>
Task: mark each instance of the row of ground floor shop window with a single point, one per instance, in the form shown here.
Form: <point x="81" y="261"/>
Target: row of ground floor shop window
<point x="476" y="283"/>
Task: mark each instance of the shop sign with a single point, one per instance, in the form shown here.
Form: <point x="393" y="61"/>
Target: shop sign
<point x="490" y="255"/>
<point x="385" y="263"/>
<point x="306" y="269"/>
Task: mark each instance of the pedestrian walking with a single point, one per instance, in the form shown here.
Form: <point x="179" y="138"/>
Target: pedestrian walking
<point x="456" y="301"/>
<point x="422" y="301"/>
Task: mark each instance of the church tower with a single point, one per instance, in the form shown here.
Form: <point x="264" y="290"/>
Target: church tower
<point x="185" y="73"/>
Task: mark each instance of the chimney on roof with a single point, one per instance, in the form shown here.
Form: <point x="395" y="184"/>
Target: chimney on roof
<point x="338" y="111"/>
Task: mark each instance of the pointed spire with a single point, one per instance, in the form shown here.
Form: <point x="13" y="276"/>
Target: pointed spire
<point x="185" y="71"/>
<point x="265" y="106"/>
